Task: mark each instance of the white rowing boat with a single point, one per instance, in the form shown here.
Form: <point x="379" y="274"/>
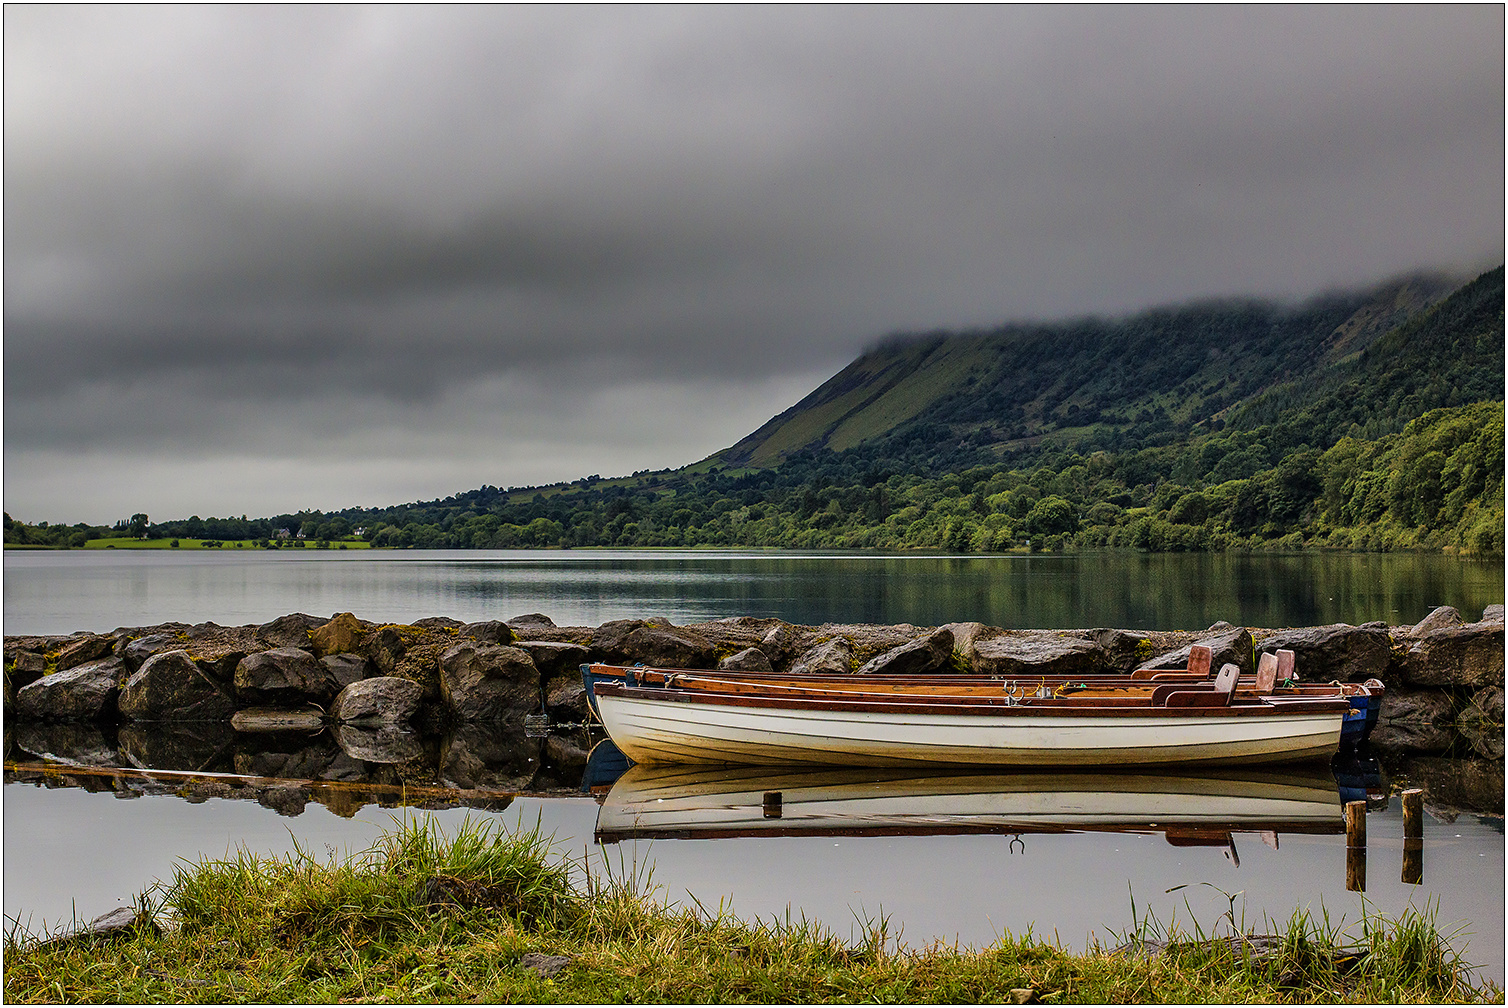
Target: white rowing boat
<point x="668" y="725"/>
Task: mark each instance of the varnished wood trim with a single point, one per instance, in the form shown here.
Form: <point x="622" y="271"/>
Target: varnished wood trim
<point x="1029" y="709"/>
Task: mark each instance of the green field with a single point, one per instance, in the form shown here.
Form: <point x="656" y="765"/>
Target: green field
<point x="126" y="542"/>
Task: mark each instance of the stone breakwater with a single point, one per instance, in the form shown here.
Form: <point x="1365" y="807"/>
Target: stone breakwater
<point x="302" y="673"/>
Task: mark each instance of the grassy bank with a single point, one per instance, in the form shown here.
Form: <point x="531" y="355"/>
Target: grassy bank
<point x="425" y="918"/>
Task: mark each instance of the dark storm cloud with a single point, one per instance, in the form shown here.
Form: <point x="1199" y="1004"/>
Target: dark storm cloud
<point x="229" y="227"/>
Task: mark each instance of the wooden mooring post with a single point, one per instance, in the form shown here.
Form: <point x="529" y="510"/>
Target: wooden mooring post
<point x="1413" y="836"/>
<point x="1356" y="846"/>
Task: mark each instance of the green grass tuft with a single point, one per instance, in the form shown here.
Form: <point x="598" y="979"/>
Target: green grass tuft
<point x="423" y="917"/>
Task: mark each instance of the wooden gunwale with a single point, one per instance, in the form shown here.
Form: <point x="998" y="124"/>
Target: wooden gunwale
<point x="1031" y="706"/>
<point x="1144" y="679"/>
<point x="984" y="680"/>
<point x="1107" y="695"/>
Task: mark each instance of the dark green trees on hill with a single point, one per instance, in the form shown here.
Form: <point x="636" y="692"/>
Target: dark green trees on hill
<point x="1369" y="421"/>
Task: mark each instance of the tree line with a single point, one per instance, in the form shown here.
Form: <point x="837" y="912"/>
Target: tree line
<point x="1436" y="485"/>
<point x="1398" y="446"/>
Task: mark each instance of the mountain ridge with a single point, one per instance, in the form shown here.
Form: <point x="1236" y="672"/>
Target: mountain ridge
<point x="1356" y="420"/>
<point x="924" y="377"/>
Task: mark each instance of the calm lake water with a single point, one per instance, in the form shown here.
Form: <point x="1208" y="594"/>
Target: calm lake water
<point x="59" y="592"/>
<point x="958" y="871"/>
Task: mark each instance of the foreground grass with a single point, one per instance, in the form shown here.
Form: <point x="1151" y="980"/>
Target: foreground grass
<point x="424" y="918"/>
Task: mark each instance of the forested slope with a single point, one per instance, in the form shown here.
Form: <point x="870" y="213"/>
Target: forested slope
<point x="1358" y="421"/>
<point x="975" y="398"/>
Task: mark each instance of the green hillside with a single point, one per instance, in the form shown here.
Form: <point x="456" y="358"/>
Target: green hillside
<point x="1109" y="383"/>
<point x="1369" y="421"/>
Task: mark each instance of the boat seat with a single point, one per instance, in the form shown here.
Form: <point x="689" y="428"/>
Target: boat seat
<point x="1225" y="682"/>
<point x="1221" y="695"/>
<point x="1267" y="673"/>
<point x="1286" y="665"/>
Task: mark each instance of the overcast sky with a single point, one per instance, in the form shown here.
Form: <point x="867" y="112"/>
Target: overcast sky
<point x="263" y="258"/>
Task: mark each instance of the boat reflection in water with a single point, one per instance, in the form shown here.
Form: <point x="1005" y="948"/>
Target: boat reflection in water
<point x="1192" y="808"/>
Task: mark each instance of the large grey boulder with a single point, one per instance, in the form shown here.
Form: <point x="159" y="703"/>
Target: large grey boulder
<point x="778" y="643"/>
<point x="565" y="700"/>
<point x="284" y="677"/>
<point x="733" y="633"/>
<point x="347" y="668"/>
<point x="1492" y="614"/>
<point x="85" y="693"/>
<point x="1338" y="651"/>
<point x="39" y="643"/>
<point x="171" y="687"/>
<point x="291" y="631"/>
<point x="1028" y="654"/>
<point x="932" y="653"/>
<point x="748" y="660"/>
<point x="22" y="668"/>
<point x="387" y="646"/>
<point x="90" y="647"/>
<point x="381" y="700"/>
<point x="1230" y="645"/>
<point x="834" y="657"/>
<point x="1123" y="650"/>
<point x="555" y="659"/>
<point x="1415" y="721"/>
<point x="651" y="642"/>
<point x="1439" y="619"/>
<point x="217" y="648"/>
<point x="1470" y="655"/>
<point x="136" y="651"/>
<point x="491" y="632"/>
<point x="965" y="634"/>
<point x="489" y="683"/>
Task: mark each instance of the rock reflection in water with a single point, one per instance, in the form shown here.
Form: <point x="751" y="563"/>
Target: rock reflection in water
<point x="344" y="769"/>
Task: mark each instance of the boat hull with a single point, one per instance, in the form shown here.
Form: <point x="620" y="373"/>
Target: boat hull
<point x="671" y="728"/>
